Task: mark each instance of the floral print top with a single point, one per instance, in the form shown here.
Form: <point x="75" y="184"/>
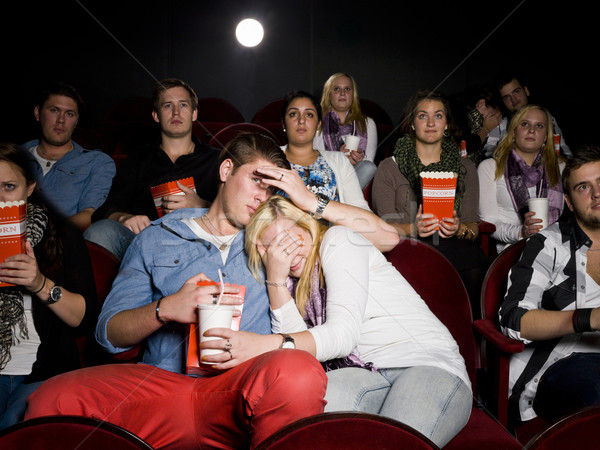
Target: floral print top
<point x="319" y="178"/>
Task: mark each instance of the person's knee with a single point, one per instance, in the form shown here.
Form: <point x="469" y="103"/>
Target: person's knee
<point x="110" y="234"/>
<point x="296" y="373"/>
<point x="48" y="398"/>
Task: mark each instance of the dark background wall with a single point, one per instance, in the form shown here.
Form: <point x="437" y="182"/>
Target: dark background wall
<point x="113" y="49"/>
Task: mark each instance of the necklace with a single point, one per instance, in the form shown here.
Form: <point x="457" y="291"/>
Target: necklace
<point x="42" y="153"/>
<point x="222" y="244"/>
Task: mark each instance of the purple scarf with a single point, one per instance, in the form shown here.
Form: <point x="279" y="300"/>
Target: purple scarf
<point x="333" y="131"/>
<point x="520" y="177"/>
<point x="314" y="314"/>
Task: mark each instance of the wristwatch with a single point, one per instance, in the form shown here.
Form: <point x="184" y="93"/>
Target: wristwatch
<point x="322" y="202"/>
<point x="55" y="295"/>
<point x="288" y="341"/>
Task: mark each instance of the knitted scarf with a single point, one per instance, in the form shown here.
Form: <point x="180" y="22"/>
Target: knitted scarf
<point x="519" y="177"/>
<point x="13" y="325"/>
<point x="314" y="314"/>
<point x="333" y="131"/>
<point x="410" y="166"/>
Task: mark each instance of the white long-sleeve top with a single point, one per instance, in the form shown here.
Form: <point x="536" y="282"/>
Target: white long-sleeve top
<point x="373" y="309"/>
<point x="495" y="204"/>
<point x="370" y="151"/>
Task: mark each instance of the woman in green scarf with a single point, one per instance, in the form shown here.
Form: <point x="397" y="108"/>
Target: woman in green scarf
<point x="396" y="194"/>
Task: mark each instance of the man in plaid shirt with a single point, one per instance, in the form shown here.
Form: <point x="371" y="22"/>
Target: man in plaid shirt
<point x="552" y="304"/>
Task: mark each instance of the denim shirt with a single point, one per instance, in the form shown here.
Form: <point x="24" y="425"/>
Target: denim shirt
<point x="157" y="263"/>
<point x="80" y="179"/>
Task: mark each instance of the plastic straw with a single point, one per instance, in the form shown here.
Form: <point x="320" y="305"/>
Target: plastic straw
<point x="222" y="287"/>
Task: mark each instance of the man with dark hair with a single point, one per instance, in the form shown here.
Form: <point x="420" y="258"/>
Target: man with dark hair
<point x="255" y="388"/>
<point x="553" y="304"/>
<point x="176" y="155"/>
<point x="515" y="94"/>
<point x="74" y="180"/>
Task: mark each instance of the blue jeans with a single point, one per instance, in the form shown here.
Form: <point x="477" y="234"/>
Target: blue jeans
<point x="13" y="398"/>
<point x="429" y="399"/>
<point x="365" y="171"/>
<point x="110" y="234"/>
<point x="568" y="385"/>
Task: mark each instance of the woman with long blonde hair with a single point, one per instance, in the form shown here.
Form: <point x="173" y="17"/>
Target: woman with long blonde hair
<point x="342" y="116"/>
<point x="339" y="299"/>
<point x="524" y="165"/>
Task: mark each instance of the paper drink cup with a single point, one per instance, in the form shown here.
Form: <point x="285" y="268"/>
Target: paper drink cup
<point x="540" y="207"/>
<point x="213" y="316"/>
<point x="351" y="141"/>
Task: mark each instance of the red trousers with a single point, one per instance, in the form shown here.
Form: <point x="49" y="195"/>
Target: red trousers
<point x="237" y="408"/>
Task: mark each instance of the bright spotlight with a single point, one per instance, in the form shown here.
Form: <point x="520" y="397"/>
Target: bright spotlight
<point x="249" y="32"/>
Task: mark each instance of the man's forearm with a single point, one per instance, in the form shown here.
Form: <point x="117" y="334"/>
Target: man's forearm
<point x="130" y="327"/>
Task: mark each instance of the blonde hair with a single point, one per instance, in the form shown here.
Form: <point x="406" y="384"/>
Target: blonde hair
<point x="549" y="157"/>
<point x="355" y="113"/>
<point x="267" y="213"/>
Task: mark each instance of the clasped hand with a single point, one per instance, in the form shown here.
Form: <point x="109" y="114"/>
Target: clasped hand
<point x="22" y="270"/>
<point x="426" y="224"/>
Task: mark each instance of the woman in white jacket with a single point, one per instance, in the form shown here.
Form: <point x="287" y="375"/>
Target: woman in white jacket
<point x="343" y="302"/>
<point x="524" y="165"/>
<point x="324" y="172"/>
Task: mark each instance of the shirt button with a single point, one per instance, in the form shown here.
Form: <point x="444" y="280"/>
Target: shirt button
<point x="176" y="261"/>
<point x="208" y="246"/>
<point x="535" y="381"/>
<point x="224" y="274"/>
<point x="583" y="264"/>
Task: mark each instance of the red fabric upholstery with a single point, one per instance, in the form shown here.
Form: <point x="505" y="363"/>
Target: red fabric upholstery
<point x="206" y="130"/>
<point x="68" y="432"/>
<point x="105" y="266"/>
<point x="487" y="243"/>
<point x="348" y="431"/>
<point x="214" y="114"/>
<point x="579" y="430"/>
<point x="220" y="139"/>
<point x="86" y="137"/>
<point x="269" y="116"/>
<point x="271" y="112"/>
<point x="214" y="109"/>
<point x="498" y="348"/>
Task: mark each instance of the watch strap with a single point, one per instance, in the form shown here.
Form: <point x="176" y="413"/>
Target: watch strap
<point x="287" y="338"/>
<point x="322" y="202"/>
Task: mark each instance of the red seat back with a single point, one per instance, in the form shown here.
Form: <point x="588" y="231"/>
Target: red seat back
<point x="68" y="432"/>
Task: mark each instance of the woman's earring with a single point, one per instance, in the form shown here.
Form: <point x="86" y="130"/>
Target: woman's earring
<point x="284" y="130"/>
<point x="412" y="127"/>
<point x="446" y="134"/>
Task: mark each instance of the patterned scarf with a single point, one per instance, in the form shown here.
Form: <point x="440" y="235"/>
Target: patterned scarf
<point x="13" y="326"/>
<point x="520" y="177"/>
<point x="333" y="131"/>
<point x="314" y="314"/>
<point x="410" y="166"/>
